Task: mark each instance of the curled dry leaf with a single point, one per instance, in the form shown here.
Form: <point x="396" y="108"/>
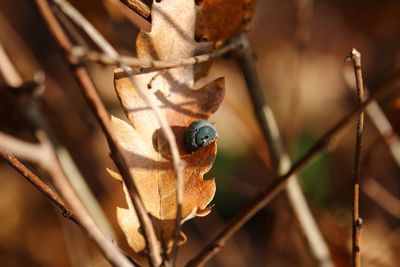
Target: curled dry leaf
<point x="144" y="145"/>
<point x="218" y="20"/>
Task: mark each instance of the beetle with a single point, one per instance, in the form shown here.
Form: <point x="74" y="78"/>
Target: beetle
<point x="199" y="134"/>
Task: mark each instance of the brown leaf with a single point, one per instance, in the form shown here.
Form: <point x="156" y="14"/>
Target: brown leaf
<point x="218" y="20"/>
<point x="144" y="145"/>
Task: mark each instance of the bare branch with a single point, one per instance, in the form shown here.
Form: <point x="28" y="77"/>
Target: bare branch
<point x="355" y="56"/>
<point x="280" y="159"/>
<point x="36" y="182"/>
<point x="106" y="47"/>
<point x="372" y="188"/>
<point x="260" y="201"/>
<point x="48" y="160"/>
<point x="148" y="65"/>
<point x="102" y="116"/>
<point x="30" y="108"/>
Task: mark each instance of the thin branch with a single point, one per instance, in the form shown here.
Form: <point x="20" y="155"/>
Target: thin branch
<point x="148" y="65"/>
<point x="260" y="201"/>
<point x="381" y="122"/>
<point x="48" y="160"/>
<point x="107" y="48"/>
<point x="38" y="183"/>
<point x="29" y="107"/>
<point x="75" y="16"/>
<point x="355" y="56"/>
<point x="139" y="7"/>
<point x="261" y="109"/>
<point x="110" y="250"/>
<point x="279" y="157"/>
<point x="102" y="116"/>
<point x="372" y="188"/>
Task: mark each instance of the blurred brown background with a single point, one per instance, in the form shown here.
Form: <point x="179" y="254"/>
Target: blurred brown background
<point x="305" y="83"/>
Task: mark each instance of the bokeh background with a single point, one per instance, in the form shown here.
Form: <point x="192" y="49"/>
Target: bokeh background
<point x="305" y="80"/>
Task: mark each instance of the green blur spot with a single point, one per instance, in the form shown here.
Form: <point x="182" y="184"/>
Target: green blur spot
<point x="226" y="167"/>
<point x="316" y="176"/>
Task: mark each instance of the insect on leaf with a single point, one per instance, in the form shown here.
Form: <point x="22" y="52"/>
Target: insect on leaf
<point x="145" y="148"/>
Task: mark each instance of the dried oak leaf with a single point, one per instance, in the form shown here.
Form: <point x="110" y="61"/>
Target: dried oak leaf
<point x="144" y="146"/>
<point x="218" y="20"/>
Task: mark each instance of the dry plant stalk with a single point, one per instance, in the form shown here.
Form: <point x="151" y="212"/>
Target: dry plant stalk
<point x="148" y="65"/>
<point x="125" y="217"/>
<point x="98" y="109"/>
<point x="37" y="182"/>
<point x="50" y="163"/>
<point x="204" y="110"/>
<point x="41" y="186"/>
<point x="14" y="91"/>
<point x="48" y="159"/>
<point x="355" y="56"/>
<point x="124" y="82"/>
<point x="265" y="197"/>
<point x="280" y="159"/>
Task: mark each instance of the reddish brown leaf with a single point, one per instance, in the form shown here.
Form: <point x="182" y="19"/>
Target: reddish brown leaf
<point x="218" y="20"/>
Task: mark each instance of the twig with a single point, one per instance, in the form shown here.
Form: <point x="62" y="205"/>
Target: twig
<point x="31" y="110"/>
<point x="261" y="109"/>
<point x="148" y="65"/>
<point x="355" y="56"/>
<point x="383" y="197"/>
<point x="97" y="107"/>
<point x="75" y="16"/>
<point x="39" y="184"/>
<point x="41" y="187"/>
<point x="48" y="160"/>
<point x="111" y="252"/>
<point x="280" y="159"/>
<point x="107" y="48"/>
<point x="138" y="6"/>
<point x="278" y="185"/>
<point x="372" y="188"/>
